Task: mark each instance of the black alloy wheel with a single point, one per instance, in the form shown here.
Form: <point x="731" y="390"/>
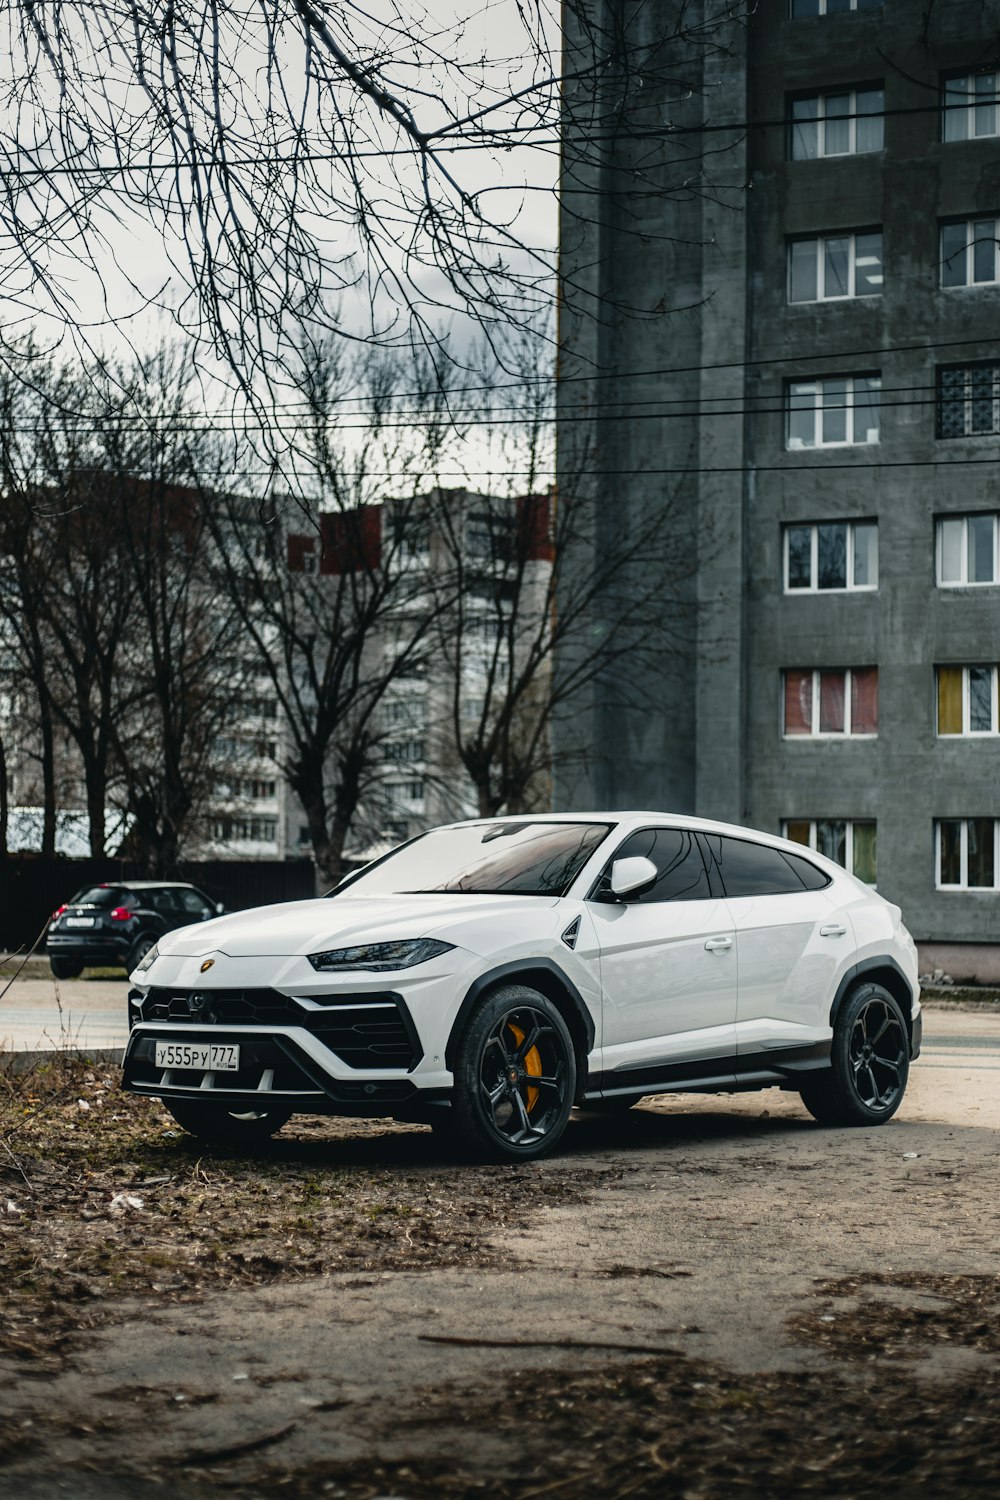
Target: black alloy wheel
<point x="869" y="1062"/>
<point x="216" y="1125"/>
<point x="515" y="1076"/>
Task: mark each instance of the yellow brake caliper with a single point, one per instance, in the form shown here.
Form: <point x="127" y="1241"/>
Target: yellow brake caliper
<point x="532" y="1064"/>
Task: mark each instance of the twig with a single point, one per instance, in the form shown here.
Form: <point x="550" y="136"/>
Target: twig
<point x="24" y="960"/>
<point x="470" y="1343"/>
<point x="17" y="1164"/>
<point x="234" y="1450"/>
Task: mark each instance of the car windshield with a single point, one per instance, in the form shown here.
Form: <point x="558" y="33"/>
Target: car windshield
<point x="484" y="859"/>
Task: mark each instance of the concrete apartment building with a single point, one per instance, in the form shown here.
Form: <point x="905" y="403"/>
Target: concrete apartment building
<point x="780" y="258"/>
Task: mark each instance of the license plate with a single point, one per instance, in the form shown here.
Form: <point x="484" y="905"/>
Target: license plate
<point x="203" y="1056"/>
<point x="79" y="921"/>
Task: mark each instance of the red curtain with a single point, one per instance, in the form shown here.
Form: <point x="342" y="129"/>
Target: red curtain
<point x="798" y="702"/>
<point x="831" y="703"/>
<point x="864" y="700"/>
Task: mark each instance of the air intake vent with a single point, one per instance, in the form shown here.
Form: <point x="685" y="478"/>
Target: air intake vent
<point x="572" y="932"/>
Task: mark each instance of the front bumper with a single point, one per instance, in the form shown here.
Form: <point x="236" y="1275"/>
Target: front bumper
<point x="356" y="1050"/>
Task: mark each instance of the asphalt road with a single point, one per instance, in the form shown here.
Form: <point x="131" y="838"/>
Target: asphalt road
<point x="710" y="1225"/>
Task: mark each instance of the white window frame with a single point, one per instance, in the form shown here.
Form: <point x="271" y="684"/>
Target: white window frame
<point x="849" y="826"/>
<point x="964" y="582"/>
<point x="815" y="733"/>
<point x="821" y="117"/>
<point x="963" y="884"/>
<point x="966" y="731"/>
<point x="959" y="122"/>
<point x="851" y="587"/>
<point x="969" y="281"/>
<point x="850" y="407"/>
<point x="968" y="400"/>
<point x="820" y="242"/>
<point x="854" y="5"/>
<point x="405" y="793"/>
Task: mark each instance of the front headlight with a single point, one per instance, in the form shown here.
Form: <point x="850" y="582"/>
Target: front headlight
<point x="148" y="961"/>
<point x="401" y="955"/>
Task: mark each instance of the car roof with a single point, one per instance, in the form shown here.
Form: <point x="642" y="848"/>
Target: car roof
<point x="143" y="885"/>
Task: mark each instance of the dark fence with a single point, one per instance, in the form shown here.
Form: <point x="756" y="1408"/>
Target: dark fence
<point x="31" y="888"/>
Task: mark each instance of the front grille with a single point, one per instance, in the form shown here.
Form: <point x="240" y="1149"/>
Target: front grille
<point x="365" y="1031"/>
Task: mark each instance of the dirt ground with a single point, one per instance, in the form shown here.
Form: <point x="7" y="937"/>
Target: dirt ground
<point x="711" y="1296"/>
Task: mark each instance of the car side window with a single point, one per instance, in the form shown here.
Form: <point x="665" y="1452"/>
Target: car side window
<point x="162" y="901"/>
<point x="681" y="873"/>
<point x="193" y="905"/>
<point x="749" y="869"/>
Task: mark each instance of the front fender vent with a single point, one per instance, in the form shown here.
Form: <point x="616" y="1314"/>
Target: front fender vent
<point x="572" y="932"/>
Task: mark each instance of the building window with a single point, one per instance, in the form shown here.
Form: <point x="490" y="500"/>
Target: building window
<point x="853" y="844"/>
<point x="831" y="7"/>
<point x="967" y="551"/>
<point x="841" y="411"/>
<point x="245" y="830"/>
<point x="968" y="400"/>
<point x="967" y="700"/>
<point x="966" y="854"/>
<point x="819" y="702"/>
<point x="835" y="266"/>
<point x="831" y="555"/>
<point x="969" y="107"/>
<point x="969" y="253"/>
<point x="844" y="124"/>
<point x="403" y="751"/>
<point x="406" y="791"/>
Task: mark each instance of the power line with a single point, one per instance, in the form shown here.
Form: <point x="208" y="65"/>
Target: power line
<point x="436" y="142"/>
<point x="785" y="360"/>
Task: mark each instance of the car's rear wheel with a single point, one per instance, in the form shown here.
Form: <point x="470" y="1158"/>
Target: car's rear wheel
<point x="869" y="1062"/>
<point x="65" y="968"/>
<point x="215" y="1125"/>
<point x="515" y="1076"/>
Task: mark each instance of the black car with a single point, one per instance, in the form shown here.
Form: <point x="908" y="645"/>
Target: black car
<point x="119" y="923"/>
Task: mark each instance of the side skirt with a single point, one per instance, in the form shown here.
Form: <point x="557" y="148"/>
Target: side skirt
<point x="735" y="1074"/>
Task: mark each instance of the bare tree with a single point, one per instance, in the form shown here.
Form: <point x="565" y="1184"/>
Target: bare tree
<point x="327" y="596"/>
<point x="305" y="161"/>
<point x="540" y="610"/>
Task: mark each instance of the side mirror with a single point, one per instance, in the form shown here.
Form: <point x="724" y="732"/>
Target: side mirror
<point x="628" y="875"/>
<point x="219" y="908"/>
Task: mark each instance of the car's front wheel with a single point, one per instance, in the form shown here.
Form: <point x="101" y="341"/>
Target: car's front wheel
<point x="515" y="1076"/>
<point x="215" y="1125"/>
<point x="869" y="1062"/>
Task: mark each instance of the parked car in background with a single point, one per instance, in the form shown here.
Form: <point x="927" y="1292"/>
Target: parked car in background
<point x="488" y="976"/>
<point x="117" y="924"/>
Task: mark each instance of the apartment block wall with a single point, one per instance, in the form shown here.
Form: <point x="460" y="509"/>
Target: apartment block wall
<point x="907" y="777"/>
<point x="716" y="746"/>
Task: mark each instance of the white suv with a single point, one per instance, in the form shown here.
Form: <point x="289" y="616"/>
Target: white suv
<point x="490" y="975"/>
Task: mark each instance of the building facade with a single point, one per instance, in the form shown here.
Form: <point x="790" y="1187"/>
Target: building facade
<point x="780" y="264"/>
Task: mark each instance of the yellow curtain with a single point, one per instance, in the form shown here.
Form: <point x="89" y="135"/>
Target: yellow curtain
<point x="949" y="681"/>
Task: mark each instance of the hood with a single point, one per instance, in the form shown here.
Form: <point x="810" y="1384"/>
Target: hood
<point x="299" y="927"/>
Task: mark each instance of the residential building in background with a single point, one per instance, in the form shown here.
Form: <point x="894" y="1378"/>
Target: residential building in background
<point x="781" y="298"/>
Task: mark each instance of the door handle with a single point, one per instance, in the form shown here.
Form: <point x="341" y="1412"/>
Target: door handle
<point x="718" y="944"/>
<point x="835" y="929"/>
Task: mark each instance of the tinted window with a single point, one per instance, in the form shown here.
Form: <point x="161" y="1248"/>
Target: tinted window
<point x="164" y="901"/>
<point x="193" y="904"/>
<point x="105" y="895"/>
<point x="681" y="870"/>
<point x="755" y="869"/>
<point x="812" y="878"/>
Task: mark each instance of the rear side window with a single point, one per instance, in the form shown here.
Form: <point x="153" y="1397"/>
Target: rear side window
<point x="681" y="873"/>
<point x="163" y="901"/>
<point x="749" y="869"/>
